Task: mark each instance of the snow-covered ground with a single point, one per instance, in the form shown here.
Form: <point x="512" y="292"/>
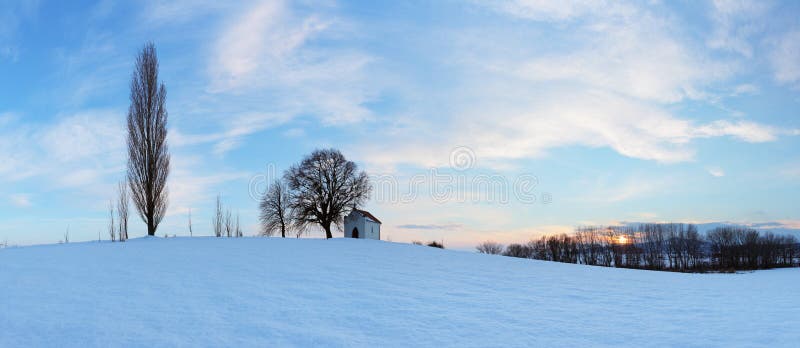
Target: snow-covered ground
<point x="268" y="292"/>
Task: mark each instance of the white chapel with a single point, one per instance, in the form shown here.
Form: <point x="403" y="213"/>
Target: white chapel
<point x="362" y="224"/>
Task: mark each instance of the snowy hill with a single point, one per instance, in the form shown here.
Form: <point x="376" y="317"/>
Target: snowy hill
<point x="268" y="292"/>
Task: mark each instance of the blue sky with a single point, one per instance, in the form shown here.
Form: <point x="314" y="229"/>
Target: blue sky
<point x="621" y="111"/>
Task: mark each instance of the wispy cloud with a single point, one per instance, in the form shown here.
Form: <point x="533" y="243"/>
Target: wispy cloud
<point x="556" y="11"/>
<point x="266" y="34"/>
<point x="21" y="200"/>
<point x="191" y="187"/>
<point x="784" y="58"/>
<point x="270" y="51"/>
<point x="631" y="188"/>
<point x="430" y="227"/>
<point x="747" y="131"/>
<point x="716" y="172"/>
<point x="791" y="171"/>
<point x="745" y="89"/>
<point x="12" y="15"/>
<point x="70" y="151"/>
<point x="174" y="12"/>
<point x="235" y="129"/>
<point x="735" y="23"/>
<point x="613" y="87"/>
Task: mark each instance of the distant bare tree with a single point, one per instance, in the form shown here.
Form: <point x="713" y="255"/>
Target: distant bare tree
<point x="589" y="245"/>
<point x="238" y="228"/>
<point x="664" y="246"/>
<point x="325" y="186"/>
<point x="523" y="251"/>
<point x="190" y="222"/>
<point x="217" y="220"/>
<point x="652" y="244"/>
<point x="228" y="224"/>
<point x="489" y="247"/>
<point x="275" y="214"/>
<point x="112" y="226"/>
<point x="122" y="211"/>
<point x="694" y="247"/>
<point x="148" y="154"/>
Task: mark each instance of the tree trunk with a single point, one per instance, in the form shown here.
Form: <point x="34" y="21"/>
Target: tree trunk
<point x="151" y="229"/>
<point x="328" y="234"/>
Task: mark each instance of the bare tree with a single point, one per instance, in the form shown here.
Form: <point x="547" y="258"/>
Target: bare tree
<point x="325" y="186"/>
<point x="228" y="224"/>
<point x="664" y="246"/>
<point x="190" y="222"/>
<point x="217" y="219"/>
<point x="523" y="251"/>
<point x="489" y="247"/>
<point x="148" y="154"/>
<point x="275" y="213"/>
<point x="122" y="211"/>
<point x="238" y="228"/>
<point x="112" y="226"/>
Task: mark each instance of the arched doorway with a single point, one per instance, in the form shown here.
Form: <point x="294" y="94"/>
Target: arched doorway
<point x="355" y="233"/>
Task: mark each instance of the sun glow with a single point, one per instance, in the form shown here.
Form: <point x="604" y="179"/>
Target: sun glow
<point x="621" y="240"/>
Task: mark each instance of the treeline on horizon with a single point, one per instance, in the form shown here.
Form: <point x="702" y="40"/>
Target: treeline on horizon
<point x="660" y="246"/>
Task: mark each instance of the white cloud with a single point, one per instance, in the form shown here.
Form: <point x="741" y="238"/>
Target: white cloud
<point x="12" y="15"/>
<point x="190" y="188"/>
<point x="235" y="129"/>
<point x="716" y="172"/>
<point x="735" y="23"/>
<point x="74" y="150"/>
<point x="265" y="34"/>
<point x="269" y="51"/>
<point x="83" y="136"/>
<point x="637" y="55"/>
<point x="633" y="129"/>
<point x="750" y="132"/>
<point x="614" y="86"/>
<point x="7" y="118"/>
<point x="745" y="89"/>
<point x="546" y="10"/>
<point x="294" y="132"/>
<point x="791" y="171"/>
<point x="170" y="12"/>
<point x="558" y="119"/>
<point x="630" y="188"/>
<point x="21" y="200"/>
<point x="785" y="61"/>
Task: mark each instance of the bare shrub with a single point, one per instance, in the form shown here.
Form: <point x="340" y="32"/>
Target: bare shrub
<point x="489" y="247"/>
